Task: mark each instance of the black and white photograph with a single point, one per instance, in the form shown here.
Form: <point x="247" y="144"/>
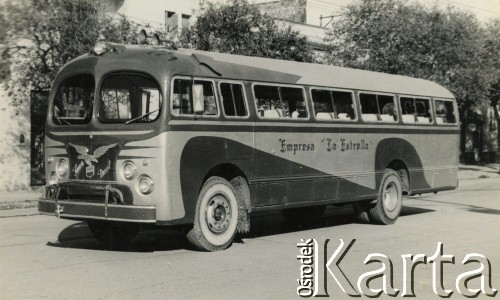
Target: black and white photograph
<point x="249" y="149"/>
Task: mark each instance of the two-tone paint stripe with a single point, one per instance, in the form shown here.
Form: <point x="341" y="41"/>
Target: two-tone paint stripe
<point x="195" y="126"/>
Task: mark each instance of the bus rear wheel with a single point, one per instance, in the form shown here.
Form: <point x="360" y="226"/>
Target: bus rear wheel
<point x="216" y="216"/>
<point x="390" y="199"/>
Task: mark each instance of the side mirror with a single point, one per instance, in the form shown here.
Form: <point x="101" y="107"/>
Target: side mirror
<point x="198" y="98"/>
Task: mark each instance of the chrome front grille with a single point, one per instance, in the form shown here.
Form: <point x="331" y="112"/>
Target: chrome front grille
<point x="90" y="192"/>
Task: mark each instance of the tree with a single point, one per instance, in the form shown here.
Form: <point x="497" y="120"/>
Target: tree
<point x="40" y="36"/>
<point x="492" y="62"/>
<point x="239" y="28"/>
<point x="409" y="39"/>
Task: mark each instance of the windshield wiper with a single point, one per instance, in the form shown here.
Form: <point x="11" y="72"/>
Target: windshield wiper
<point x="61" y="121"/>
<point x="140" y="117"/>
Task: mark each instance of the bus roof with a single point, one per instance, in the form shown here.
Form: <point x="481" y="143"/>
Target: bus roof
<point x="255" y="68"/>
<point x="158" y="60"/>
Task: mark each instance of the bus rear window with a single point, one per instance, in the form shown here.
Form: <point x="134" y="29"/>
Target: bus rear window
<point x="445" y="112"/>
<point x="127" y="98"/>
<point x="73" y="100"/>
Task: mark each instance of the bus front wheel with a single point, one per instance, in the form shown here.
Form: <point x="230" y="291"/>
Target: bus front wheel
<point x="216" y="216"/>
<point x="390" y="198"/>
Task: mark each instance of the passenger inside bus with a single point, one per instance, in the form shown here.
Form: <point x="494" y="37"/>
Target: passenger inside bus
<point x="388" y="113"/>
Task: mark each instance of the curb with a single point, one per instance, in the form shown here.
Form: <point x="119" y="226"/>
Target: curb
<point x="19" y="204"/>
<point x="19" y="212"/>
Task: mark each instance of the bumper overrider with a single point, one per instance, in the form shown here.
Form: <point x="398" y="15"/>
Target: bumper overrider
<point x="83" y="200"/>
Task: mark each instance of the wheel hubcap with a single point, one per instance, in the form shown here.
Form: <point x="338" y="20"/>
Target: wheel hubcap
<point x="390" y="196"/>
<point x="218" y="214"/>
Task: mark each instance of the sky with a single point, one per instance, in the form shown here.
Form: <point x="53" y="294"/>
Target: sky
<point x="483" y="9"/>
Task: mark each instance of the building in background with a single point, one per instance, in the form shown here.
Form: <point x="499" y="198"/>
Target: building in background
<point x="298" y="14"/>
<point x="171" y="16"/>
<point x="168" y="16"/>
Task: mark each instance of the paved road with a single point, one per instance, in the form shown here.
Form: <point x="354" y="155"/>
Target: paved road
<point x="42" y="257"/>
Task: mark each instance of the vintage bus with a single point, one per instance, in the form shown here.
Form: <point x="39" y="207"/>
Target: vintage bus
<point x="140" y="135"/>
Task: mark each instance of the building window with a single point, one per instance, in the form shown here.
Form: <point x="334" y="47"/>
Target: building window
<point x="171" y="23"/>
<point x="185" y="21"/>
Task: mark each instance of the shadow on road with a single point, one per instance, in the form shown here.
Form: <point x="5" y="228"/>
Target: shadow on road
<point x="263" y="224"/>
<point x="149" y="240"/>
<point x="465" y="206"/>
<point x="274" y="223"/>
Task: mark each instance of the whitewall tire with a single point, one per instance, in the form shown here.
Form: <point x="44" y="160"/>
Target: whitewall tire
<point x="216" y="216"/>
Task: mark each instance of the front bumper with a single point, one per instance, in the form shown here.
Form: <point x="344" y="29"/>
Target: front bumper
<point x="58" y="202"/>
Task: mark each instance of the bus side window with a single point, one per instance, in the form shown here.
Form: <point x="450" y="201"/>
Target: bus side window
<point x="408" y="109"/>
<point x="323" y="104"/>
<point x="293" y="103"/>
<point x="182" y="102"/>
<point x="267" y="100"/>
<point x="369" y="110"/>
<point x="387" y="108"/>
<point x="416" y="110"/>
<point x="209" y="97"/>
<point x="377" y="108"/>
<point x="423" y="111"/>
<point x="181" y="98"/>
<point x="343" y="104"/>
<point x="331" y="105"/>
<point x="275" y="102"/>
<point x="233" y="100"/>
<point x="445" y="112"/>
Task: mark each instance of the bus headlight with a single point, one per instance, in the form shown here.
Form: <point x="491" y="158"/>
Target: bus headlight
<point x="53" y="178"/>
<point x="129" y="170"/>
<point x="146" y="184"/>
<point x="62" y="167"/>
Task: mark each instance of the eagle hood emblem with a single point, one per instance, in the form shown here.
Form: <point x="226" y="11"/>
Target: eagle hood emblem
<point x="88" y="159"/>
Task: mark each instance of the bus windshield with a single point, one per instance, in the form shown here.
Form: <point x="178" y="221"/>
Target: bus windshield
<point x="127" y="98"/>
<point x="73" y="100"/>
